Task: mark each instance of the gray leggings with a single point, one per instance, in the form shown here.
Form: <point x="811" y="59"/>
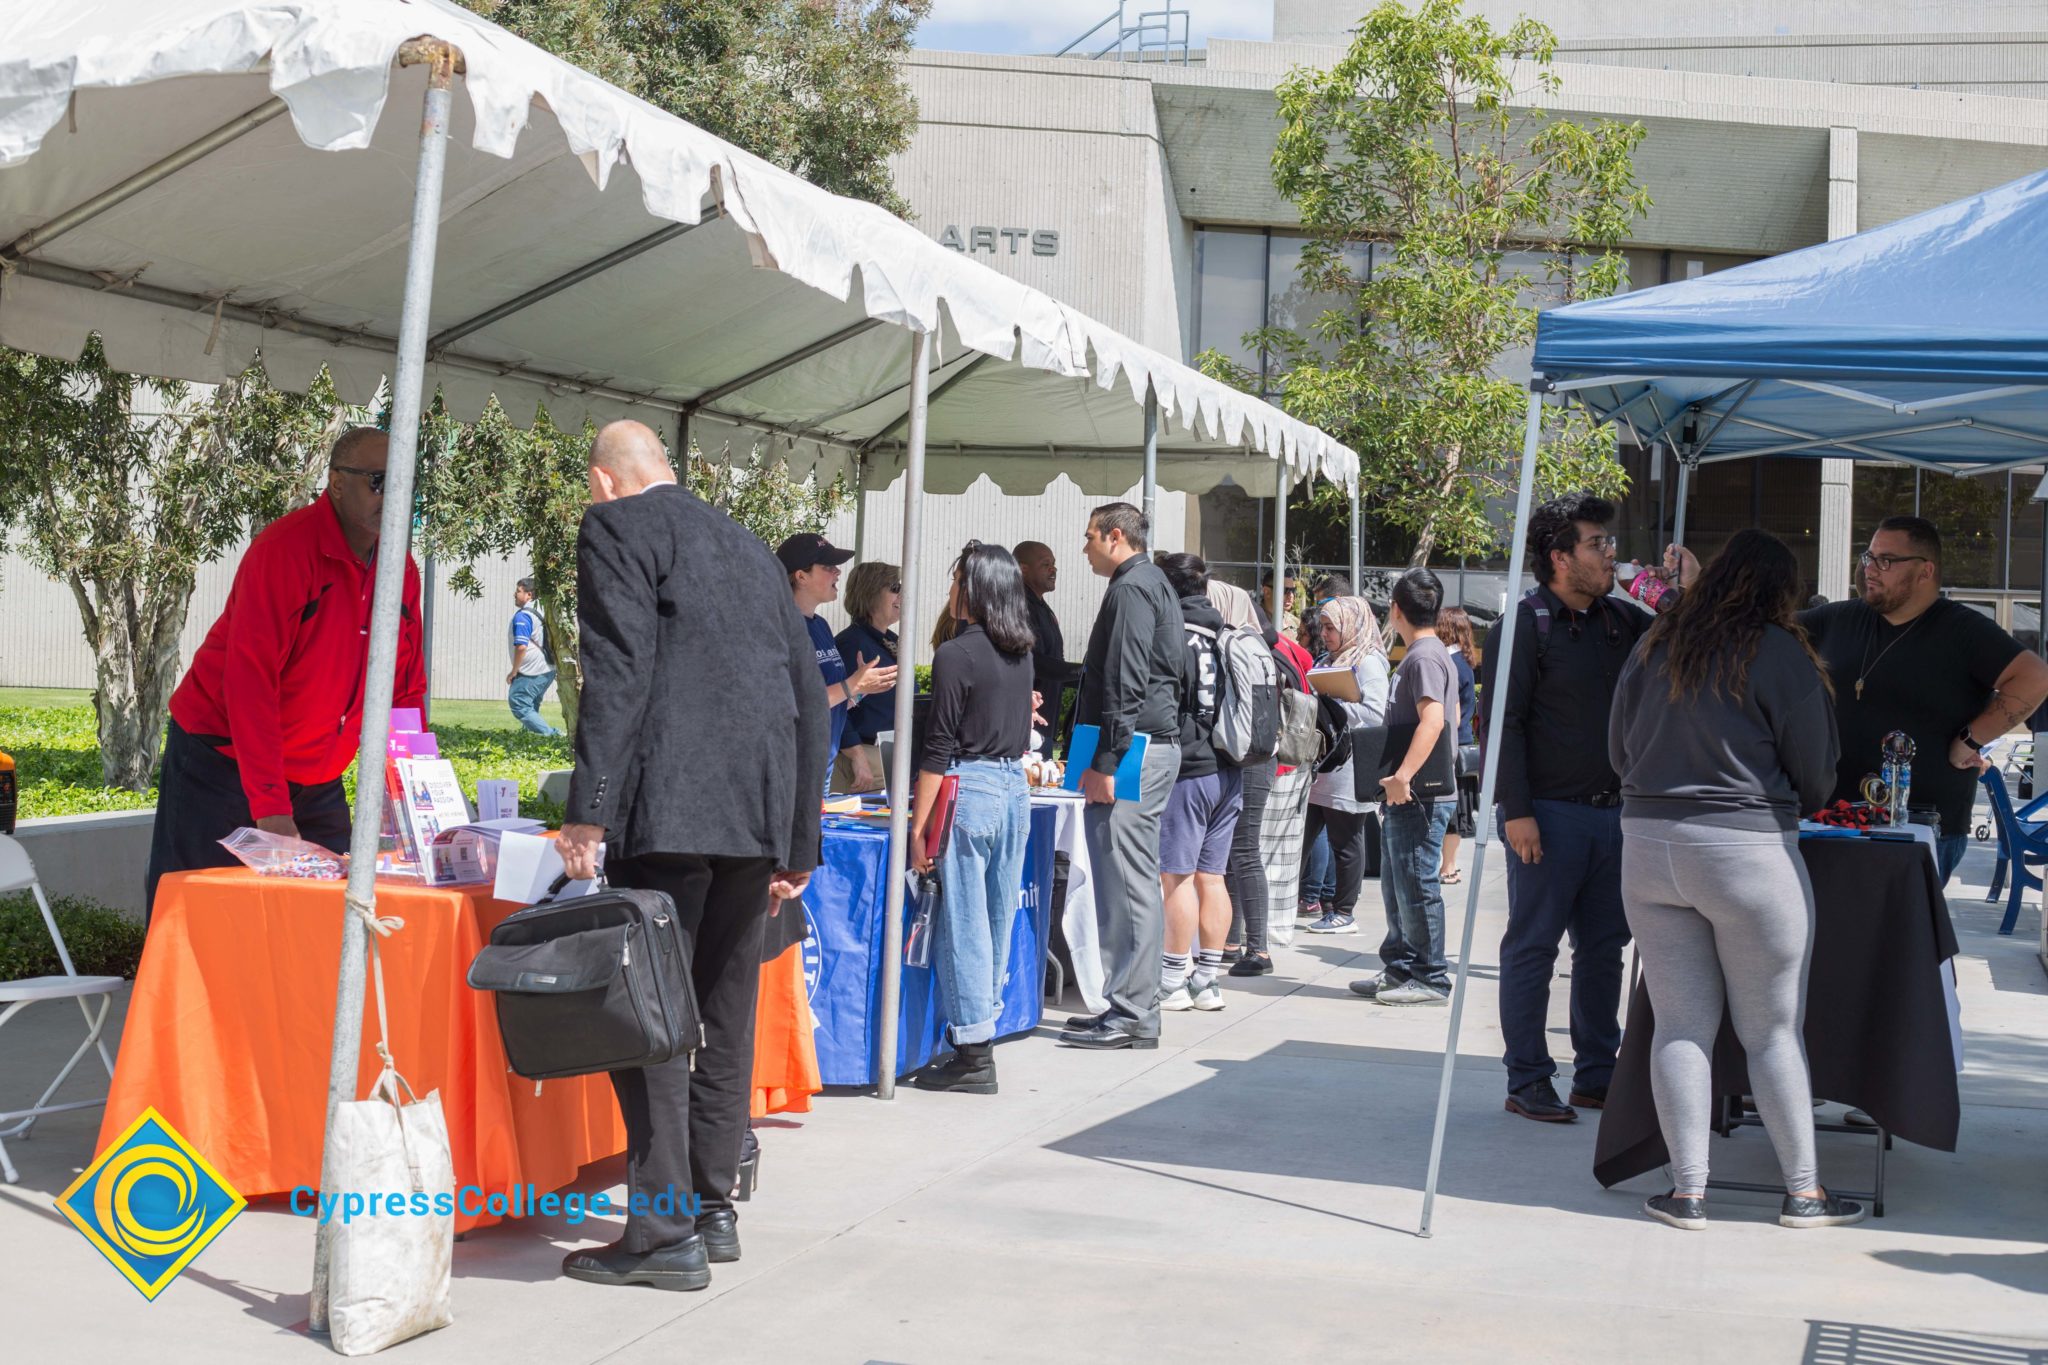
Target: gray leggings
<point x="1719" y="911"/>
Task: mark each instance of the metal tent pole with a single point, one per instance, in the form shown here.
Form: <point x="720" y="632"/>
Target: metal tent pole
<point x="1280" y="602"/>
<point x="860" y="509"/>
<point x="392" y="556"/>
<point x="1151" y="490"/>
<point x="1686" y="461"/>
<point x="906" y="691"/>
<point x="1357" y="532"/>
<point x="1497" y="706"/>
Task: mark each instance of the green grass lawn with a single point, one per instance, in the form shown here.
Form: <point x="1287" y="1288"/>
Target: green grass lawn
<point x="53" y="738"/>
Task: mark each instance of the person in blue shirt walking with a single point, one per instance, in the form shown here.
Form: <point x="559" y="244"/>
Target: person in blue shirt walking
<point x="814" y="564"/>
<point x="532" y="672"/>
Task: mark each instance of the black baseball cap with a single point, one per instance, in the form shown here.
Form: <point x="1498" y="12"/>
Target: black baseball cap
<point x="800" y="552"/>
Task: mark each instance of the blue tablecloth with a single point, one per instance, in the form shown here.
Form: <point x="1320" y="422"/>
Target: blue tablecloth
<point x="843" y="955"/>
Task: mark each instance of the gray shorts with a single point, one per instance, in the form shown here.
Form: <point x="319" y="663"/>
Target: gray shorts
<point x="1200" y="821"/>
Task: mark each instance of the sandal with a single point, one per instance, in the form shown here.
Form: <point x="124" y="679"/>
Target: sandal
<point x="1451" y="878"/>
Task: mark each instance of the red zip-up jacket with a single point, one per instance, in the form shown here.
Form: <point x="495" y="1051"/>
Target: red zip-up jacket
<point x="280" y="676"/>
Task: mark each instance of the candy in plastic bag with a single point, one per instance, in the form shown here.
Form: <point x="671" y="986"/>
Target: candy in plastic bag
<point x="279" y="855"/>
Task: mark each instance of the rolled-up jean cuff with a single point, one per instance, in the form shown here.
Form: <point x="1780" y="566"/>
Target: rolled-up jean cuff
<point x="983" y="1032"/>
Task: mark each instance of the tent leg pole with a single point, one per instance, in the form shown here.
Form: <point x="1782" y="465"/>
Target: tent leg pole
<point x="386" y="601"/>
<point x="1685" y="464"/>
<point x="860" y="509"/>
<point x="1497" y="706"/>
<point x="1357" y="548"/>
<point x="1280" y="603"/>
<point x="906" y="692"/>
<point x="1151" y="488"/>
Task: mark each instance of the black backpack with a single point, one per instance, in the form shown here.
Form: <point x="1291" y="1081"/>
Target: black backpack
<point x="597" y="983"/>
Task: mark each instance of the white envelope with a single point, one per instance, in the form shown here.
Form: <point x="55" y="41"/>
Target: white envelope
<point x="528" y="865"/>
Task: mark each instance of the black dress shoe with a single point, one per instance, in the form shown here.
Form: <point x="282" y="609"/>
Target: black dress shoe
<point x="1684" y="1211"/>
<point x="1538" y="1100"/>
<point x="1103" y="1036"/>
<point x="683" y="1265"/>
<point x="1081" y="1021"/>
<point x="1828" y="1211"/>
<point x="1592" y="1097"/>
<point x="720" y="1230"/>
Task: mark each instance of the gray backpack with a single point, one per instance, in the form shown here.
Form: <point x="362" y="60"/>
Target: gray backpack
<point x="1301" y="740"/>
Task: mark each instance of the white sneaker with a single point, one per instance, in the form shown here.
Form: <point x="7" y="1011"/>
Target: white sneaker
<point x="1412" y="993"/>
<point x="1210" y="997"/>
<point x="1176" y="997"/>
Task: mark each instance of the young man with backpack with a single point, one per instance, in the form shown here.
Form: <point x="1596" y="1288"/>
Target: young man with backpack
<point x="1201" y="817"/>
<point x="1560" y="803"/>
<point x="533" y="662"/>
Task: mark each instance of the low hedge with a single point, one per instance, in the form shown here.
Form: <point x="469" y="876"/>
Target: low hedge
<point x="103" y="941"/>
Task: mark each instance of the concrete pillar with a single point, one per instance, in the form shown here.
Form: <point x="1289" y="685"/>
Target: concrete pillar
<point x="1837" y="490"/>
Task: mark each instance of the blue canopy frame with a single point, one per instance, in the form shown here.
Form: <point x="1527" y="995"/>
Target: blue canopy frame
<point x="1921" y="343"/>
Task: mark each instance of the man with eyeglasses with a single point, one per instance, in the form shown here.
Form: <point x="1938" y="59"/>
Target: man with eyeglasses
<point x="1904" y="657"/>
<point x="1560" y="802"/>
<point x="270" y="711"/>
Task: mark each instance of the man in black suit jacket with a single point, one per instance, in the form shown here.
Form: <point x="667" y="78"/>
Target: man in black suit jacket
<point x="700" y="753"/>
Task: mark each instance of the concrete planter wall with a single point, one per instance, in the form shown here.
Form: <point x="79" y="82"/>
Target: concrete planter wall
<point x="103" y="857"/>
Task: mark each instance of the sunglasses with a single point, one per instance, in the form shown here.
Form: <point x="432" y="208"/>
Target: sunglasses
<point x="375" y="477"/>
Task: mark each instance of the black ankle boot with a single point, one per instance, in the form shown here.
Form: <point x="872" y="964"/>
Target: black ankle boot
<point x="971" y="1070"/>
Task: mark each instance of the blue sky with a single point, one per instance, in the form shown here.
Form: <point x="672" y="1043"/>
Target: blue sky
<point x="1048" y="25"/>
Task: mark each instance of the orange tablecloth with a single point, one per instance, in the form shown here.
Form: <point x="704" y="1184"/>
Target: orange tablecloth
<point x="230" y="1024"/>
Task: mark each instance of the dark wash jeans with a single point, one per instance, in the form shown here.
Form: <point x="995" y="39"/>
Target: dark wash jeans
<point x="1575" y="891"/>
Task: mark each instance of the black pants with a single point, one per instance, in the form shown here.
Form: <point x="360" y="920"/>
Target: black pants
<point x="199" y="802"/>
<point x="1246" y="878"/>
<point x="1347" y="851"/>
<point x="684" y="1126"/>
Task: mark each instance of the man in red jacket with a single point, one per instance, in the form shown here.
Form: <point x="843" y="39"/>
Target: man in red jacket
<point x="270" y="713"/>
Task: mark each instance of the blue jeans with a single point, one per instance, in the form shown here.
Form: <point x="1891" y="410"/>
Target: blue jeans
<point x="1411" y="867"/>
<point x="1318" y="871"/>
<point x="981" y="878"/>
<point x="525" y="698"/>
<point x="1948" y="852"/>
<point x="1575" y="890"/>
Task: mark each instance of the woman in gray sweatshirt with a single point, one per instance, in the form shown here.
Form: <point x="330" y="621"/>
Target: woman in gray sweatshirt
<point x="1723" y="731"/>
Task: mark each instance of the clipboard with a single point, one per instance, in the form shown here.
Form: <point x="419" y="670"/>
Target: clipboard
<point x="1130" y="773"/>
<point x="1338" y="682"/>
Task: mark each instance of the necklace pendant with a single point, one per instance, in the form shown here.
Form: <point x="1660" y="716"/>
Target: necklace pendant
<point x="1859" y="689"/>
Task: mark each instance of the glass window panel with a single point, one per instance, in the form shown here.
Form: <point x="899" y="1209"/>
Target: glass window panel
<point x="1233" y="293"/>
<point x="2026" y="623"/>
<point x="1970" y="514"/>
<point x="1292" y="304"/>
<point x="1791" y="511"/>
<point x="2025" y="559"/>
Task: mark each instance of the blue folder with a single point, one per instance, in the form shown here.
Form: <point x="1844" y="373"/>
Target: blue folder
<point x="1129" y="773"/>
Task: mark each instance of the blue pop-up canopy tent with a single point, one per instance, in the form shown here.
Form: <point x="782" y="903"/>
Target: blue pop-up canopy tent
<point x="1924" y="342"/>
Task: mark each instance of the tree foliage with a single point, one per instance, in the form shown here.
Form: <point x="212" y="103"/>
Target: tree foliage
<point x="123" y="487"/>
<point x="811" y="85"/>
<point x="1480" y="208"/>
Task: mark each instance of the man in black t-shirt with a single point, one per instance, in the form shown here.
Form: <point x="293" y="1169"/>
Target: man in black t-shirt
<point x="1906" y="658"/>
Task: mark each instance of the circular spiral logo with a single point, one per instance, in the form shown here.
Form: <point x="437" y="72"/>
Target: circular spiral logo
<point x="123" y="1223"/>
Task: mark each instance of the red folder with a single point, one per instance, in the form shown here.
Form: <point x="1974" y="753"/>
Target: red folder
<point x="941" y="824"/>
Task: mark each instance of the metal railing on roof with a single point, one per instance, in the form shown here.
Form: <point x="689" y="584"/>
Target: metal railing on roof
<point x="1133" y="36"/>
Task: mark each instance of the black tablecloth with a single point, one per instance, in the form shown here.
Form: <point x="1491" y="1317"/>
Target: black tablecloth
<point x="1877" y="1034"/>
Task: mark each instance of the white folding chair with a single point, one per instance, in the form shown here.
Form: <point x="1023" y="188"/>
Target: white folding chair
<point x="17" y="872"/>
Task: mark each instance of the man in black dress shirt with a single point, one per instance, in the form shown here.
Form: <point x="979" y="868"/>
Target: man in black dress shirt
<point x="695" y="664"/>
<point x="1131" y="685"/>
<point x="1050" y="671"/>
<point x="1560" y="803"/>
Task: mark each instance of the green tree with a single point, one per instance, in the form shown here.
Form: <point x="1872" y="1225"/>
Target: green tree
<point x="811" y="85"/>
<point x="762" y="496"/>
<point x="1480" y="208"/>
<point x="122" y="487"/>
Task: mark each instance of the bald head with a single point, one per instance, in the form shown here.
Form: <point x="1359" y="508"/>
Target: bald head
<point x="624" y="459"/>
<point x="1040" y="568"/>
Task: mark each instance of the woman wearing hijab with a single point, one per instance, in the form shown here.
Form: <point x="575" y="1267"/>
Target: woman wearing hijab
<point x="1246" y="877"/>
<point x="1351" y="634"/>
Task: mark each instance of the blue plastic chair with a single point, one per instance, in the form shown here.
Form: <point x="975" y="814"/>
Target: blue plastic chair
<point x="2022" y="843"/>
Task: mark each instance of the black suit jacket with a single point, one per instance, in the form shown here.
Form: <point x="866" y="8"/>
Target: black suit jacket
<point x="704" y="726"/>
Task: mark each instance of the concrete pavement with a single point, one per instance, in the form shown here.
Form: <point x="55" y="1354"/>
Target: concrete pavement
<point x="1250" y="1189"/>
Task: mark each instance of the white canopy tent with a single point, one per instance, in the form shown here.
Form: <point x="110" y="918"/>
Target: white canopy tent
<point x="199" y="181"/>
